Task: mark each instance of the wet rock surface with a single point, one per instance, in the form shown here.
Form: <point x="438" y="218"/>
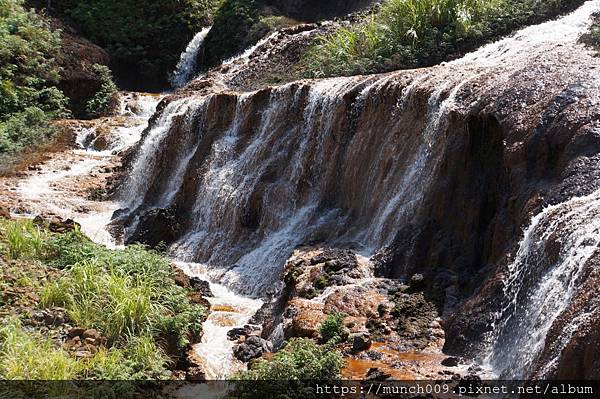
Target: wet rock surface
<point x="157" y="226"/>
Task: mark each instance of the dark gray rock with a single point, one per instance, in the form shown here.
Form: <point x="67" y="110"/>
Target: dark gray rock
<point x="252" y="348"/>
<point x="360" y="342"/>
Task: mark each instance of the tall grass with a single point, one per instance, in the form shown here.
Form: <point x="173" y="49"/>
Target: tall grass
<point x="23" y="239"/>
<point x="120" y="293"/>
<point x="129" y="296"/>
<point x="412" y="33"/>
<point x="25" y="356"/>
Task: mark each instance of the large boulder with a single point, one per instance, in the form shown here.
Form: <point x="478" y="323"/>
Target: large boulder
<point x="252" y="348"/>
<point x="78" y="80"/>
<point x="156" y="226"/>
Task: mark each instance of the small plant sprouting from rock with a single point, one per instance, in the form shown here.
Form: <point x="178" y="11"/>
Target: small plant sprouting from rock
<point x="332" y="329"/>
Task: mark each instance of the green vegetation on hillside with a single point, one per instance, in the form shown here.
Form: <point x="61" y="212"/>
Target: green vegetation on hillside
<point x="144" y="38"/>
<point x="414" y="33"/>
<point x="129" y="296"/>
<point x="29" y="74"/>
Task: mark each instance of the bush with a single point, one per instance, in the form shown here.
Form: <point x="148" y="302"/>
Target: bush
<point x="414" y="33"/>
<point x="29" y="98"/>
<point x="101" y="103"/>
<point x="144" y="38"/>
<point x="333" y="329"/>
<point x="300" y="360"/>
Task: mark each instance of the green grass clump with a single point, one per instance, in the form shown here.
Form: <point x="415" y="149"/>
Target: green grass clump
<point x="23" y="240"/>
<point x="129" y="296"/>
<point x="120" y="293"/>
<point x="32" y="357"/>
<point x="414" y="33"/>
<point x="300" y="360"/>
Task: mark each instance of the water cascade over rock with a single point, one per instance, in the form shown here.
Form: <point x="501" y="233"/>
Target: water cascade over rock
<point x="433" y="171"/>
<point x="188" y="63"/>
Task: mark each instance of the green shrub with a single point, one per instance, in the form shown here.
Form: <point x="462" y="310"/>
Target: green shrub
<point x="101" y="102"/>
<point x="25" y="130"/>
<point x="300" y="360"/>
<point x="28" y="70"/>
<point x="29" y="73"/>
<point x="333" y="329"/>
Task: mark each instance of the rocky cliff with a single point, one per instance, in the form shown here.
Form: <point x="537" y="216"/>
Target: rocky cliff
<point x="435" y="171"/>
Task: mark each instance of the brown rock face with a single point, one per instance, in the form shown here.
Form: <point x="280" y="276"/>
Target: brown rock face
<point x="78" y="80"/>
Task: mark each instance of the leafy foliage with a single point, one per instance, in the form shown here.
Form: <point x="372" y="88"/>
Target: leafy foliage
<point x="29" y="74"/>
<point x="301" y="360"/>
<point x="101" y="102"/>
<point x="28" y="69"/>
<point x="413" y="33"/>
<point x="332" y="328"/>
<point x="144" y="38"/>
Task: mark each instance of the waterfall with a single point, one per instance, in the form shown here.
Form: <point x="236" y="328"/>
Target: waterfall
<point x="188" y="62"/>
<point x="260" y="182"/>
<point x="538" y="288"/>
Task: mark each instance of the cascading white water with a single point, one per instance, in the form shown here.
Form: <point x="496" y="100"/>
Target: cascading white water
<point x="565" y="30"/>
<point x="137" y="183"/>
<point x="538" y="290"/>
<point x="188" y="62"/>
<point x="54" y="186"/>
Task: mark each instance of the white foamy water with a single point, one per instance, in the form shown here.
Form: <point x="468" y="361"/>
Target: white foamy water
<point x="136" y="185"/>
<point x="188" y="62"/>
<point x="228" y="310"/>
<point x="565" y="30"/>
<point x="244" y="57"/>
<point x="538" y="290"/>
<point x="55" y="187"/>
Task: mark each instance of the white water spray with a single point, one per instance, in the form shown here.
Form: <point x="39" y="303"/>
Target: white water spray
<point x="188" y="62"/>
